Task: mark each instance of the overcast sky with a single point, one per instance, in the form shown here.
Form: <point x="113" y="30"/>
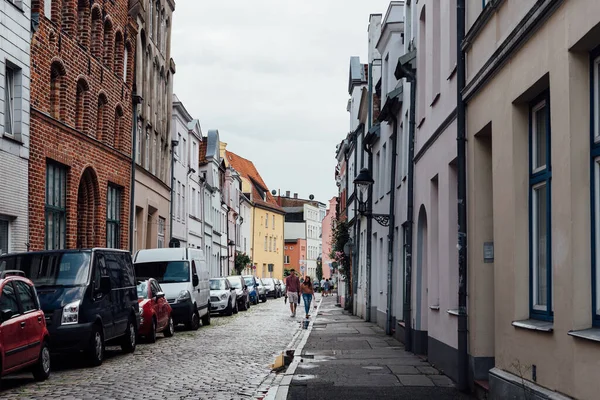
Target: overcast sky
<point x="272" y="77"/>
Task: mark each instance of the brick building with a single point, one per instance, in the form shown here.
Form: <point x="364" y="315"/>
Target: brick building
<point x="81" y="117"/>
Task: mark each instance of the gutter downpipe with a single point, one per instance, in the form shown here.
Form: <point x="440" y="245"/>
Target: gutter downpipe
<point x="389" y="323"/>
<point x="369" y="235"/>
<point x="411" y="77"/>
<point x="135" y="100"/>
<point x="357" y="223"/>
<point x="172" y="190"/>
<point x="463" y="356"/>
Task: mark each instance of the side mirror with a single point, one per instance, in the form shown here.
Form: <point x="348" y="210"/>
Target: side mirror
<point x="160" y="295"/>
<point x="195" y="280"/>
<point x="105" y="284"/>
<point x="257" y="285"/>
<point x="232" y="289"/>
<point x="5" y="315"/>
<point x="245" y="287"/>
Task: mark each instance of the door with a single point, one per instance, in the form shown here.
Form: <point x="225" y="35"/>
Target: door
<point x="118" y="294"/>
<point x="101" y="302"/>
<point x="11" y="331"/>
<point x="33" y="318"/>
<point x="196" y="289"/>
<point x="162" y="316"/>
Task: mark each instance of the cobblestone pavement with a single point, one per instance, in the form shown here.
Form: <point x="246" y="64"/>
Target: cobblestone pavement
<point x="227" y="360"/>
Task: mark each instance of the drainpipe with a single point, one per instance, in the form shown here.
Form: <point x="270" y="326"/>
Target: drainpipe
<point x="135" y="99"/>
<point x="369" y="235"/>
<point x="463" y="357"/>
<point x="173" y="144"/>
<point x="389" y="323"/>
<point x="411" y="76"/>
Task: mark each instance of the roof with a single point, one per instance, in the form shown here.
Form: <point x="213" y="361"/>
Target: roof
<point x="357" y="73"/>
<point x="213" y="147"/>
<point x="293" y="209"/>
<point x="202" y="152"/>
<point x="247" y="170"/>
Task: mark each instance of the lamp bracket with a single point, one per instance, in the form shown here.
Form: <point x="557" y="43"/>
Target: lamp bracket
<point x="382" y="219"/>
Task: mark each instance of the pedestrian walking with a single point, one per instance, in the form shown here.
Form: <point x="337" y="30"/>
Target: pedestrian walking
<point x="322" y="285"/>
<point x="307" y="294"/>
<point x="292" y="284"/>
<point x="326" y="288"/>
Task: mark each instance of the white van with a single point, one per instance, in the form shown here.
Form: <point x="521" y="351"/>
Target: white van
<point x="184" y="277"/>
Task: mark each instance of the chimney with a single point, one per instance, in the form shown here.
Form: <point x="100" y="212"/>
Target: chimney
<point x="295" y="195"/>
<point x="287" y="193"/>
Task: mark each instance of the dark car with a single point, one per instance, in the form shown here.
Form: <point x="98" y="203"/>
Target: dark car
<point x="252" y="288"/>
<point x="155" y="311"/>
<point x="241" y="289"/>
<point x="23" y="333"/>
<point x="271" y="286"/>
<point x="89" y="297"/>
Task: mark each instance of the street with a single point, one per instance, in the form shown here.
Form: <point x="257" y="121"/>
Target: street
<point x="227" y="360"/>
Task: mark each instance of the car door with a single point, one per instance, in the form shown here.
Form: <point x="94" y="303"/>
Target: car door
<point x="33" y="318"/>
<point x="101" y="302"/>
<point x="12" y="330"/>
<point x="159" y="306"/>
<point x="117" y="294"/>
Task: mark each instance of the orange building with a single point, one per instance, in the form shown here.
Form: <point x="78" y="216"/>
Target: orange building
<point x="294" y="255"/>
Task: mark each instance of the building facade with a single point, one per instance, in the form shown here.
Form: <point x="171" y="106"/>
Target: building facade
<point x="326" y="231"/>
<point x="303" y="224"/>
<point x="267" y="220"/>
<point x="15" y="88"/>
<point x="533" y="201"/>
<point x="154" y="83"/>
<point x="294" y="253"/>
<point x="81" y="118"/>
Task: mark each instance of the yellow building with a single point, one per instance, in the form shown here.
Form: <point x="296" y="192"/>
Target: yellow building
<point x="266" y="238"/>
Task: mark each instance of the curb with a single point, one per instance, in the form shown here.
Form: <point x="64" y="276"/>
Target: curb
<point x="280" y="392"/>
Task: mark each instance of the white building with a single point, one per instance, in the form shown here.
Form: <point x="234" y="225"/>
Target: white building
<point x="181" y="169"/>
<point x="304" y="223"/>
<point x="15" y="36"/>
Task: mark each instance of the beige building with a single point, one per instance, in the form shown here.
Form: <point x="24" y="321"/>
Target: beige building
<point x="154" y="83"/>
<point x="533" y="150"/>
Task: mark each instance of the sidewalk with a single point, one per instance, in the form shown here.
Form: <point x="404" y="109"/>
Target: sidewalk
<point x="344" y="357"/>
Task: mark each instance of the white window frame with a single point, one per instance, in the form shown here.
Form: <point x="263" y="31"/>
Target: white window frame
<point x="161" y="232"/>
<point x="9" y="100"/>
<point x="534" y="160"/>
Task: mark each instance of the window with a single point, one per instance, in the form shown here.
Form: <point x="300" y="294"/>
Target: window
<point x="273" y="222"/>
<point x="267" y="221"/>
<point x="540" y="210"/>
<point x="138" y="156"/>
<point x="101" y="124"/>
<point x="125" y="61"/>
<point x="8" y="300"/>
<point x="154" y="156"/>
<point x="26" y="297"/>
<point x="183" y="207"/>
<point x="286" y="259"/>
<point x="595" y="154"/>
<point x="113" y="217"/>
<point x="184" y="152"/>
<point x="56" y="206"/>
<point x="150" y="20"/>
<point x="266" y="243"/>
<point x="178" y="211"/>
<point x="48" y="8"/>
<point x="147" y="151"/>
<point x="383" y="167"/>
<point x="9" y="100"/>
<point x="194" y="155"/>
<point x="3" y="236"/>
<point x="161" y="232"/>
<point x="193" y="207"/>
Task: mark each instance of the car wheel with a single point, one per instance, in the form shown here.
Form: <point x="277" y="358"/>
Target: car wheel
<point x="255" y="300"/>
<point x="236" y="308"/>
<point x="41" y="371"/>
<point x="243" y="306"/>
<point x="229" y="309"/>
<point x="194" y="322"/>
<point x="152" y="336"/>
<point x="206" y="318"/>
<point x="170" y="329"/>
<point x="248" y="303"/>
<point x="129" y="340"/>
<point x="264" y="299"/>
<point x="96" y="347"/>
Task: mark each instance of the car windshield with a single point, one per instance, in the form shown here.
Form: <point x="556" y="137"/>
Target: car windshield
<point x="217" y="284"/>
<point x="248" y="281"/>
<point x="142" y="289"/>
<point x="51" y="269"/>
<point x="235" y="282"/>
<point x="164" y="271"/>
<point x="268" y="281"/>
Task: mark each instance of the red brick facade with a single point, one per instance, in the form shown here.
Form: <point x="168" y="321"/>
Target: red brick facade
<point x="81" y="116"/>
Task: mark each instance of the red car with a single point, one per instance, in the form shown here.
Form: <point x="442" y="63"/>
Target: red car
<point x="23" y="333"/>
<point x="155" y="311"/>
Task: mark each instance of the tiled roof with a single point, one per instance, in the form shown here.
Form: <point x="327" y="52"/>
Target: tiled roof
<point x="247" y="170"/>
<point x="202" y="152"/>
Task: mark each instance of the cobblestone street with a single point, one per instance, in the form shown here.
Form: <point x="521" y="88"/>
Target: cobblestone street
<point x="227" y="360"/>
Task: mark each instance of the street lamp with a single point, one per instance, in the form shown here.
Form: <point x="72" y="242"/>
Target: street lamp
<point x="364" y="181"/>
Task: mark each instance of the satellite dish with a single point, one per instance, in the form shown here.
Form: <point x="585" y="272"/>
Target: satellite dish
<point x="311" y="197"/>
<point x="274" y="192"/>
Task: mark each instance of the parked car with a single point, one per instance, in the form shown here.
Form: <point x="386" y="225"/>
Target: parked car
<point x="183" y="275"/>
<point x="223" y="297"/>
<point x="23" y="333"/>
<point x="262" y="290"/>
<point x="272" y="290"/>
<point x="278" y="286"/>
<point x="252" y="288"/>
<point x="155" y="311"/>
<point x="243" y="297"/>
<point x="283" y="288"/>
<point x="88" y="297"/>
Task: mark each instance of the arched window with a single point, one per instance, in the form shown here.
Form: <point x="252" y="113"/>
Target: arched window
<point x="118" y="129"/>
<point x="69" y="16"/>
<point x="126" y="72"/>
<point x="101" y="123"/>
<point x="96" y="45"/>
<point x="119" y="50"/>
<point x="82" y="105"/>
<point x="83" y="23"/>
<point x="108" y="43"/>
<point x="57" y="89"/>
